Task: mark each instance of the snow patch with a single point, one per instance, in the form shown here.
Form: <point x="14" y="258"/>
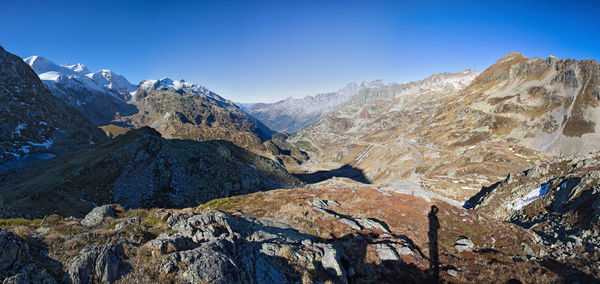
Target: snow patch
<point x="530" y="197"/>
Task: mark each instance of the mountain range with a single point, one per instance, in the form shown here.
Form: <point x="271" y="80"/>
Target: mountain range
<point x="292" y="114"/>
<point x="460" y="177"/>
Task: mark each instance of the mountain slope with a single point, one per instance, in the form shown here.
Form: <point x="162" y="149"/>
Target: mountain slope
<point x="182" y="110"/>
<point x="100" y="96"/>
<point x="292" y="114"/>
<point x="550" y="105"/>
<point x="379" y="131"/>
<point x="34" y="124"/>
<point x="138" y="169"/>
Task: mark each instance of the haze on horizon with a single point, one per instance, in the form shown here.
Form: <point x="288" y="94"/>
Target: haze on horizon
<point x="262" y="51"/>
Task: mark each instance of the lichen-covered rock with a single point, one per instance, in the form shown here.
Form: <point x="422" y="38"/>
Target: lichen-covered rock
<point x="96" y="264"/>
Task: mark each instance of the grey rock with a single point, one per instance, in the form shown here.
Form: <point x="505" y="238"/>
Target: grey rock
<point x="267" y="273"/>
<point x="527" y="249"/>
<point x="135" y="221"/>
<point x="350" y="223"/>
<point x="332" y="263"/>
<point x="208" y="263"/>
<point x="96" y="264"/>
<point x="464" y="244"/>
<point x="372" y="224"/>
<point x="97" y="215"/>
<point x="386" y="252"/>
<point x="11" y="249"/>
<point x="30" y="274"/>
<point x="322" y="203"/>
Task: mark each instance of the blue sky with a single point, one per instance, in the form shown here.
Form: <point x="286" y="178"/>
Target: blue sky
<point x="251" y="51"/>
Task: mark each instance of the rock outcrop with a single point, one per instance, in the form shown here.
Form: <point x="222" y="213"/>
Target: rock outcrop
<point x="559" y="200"/>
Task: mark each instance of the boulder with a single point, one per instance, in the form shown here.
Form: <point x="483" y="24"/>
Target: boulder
<point x="96" y="264"/>
<point x="464" y="244"/>
<point x="97" y="215"/>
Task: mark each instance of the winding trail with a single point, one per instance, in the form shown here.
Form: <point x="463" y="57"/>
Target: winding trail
<point x="418" y="164"/>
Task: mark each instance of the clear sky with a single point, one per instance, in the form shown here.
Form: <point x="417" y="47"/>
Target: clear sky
<point x="251" y="51"/>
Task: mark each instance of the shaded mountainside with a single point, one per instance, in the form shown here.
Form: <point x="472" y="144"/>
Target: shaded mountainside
<point x="138" y="169"/>
<point x="291" y="114"/>
<point x="100" y="96"/>
<point x="34" y="124"/>
<point x="337" y="231"/>
<point x="454" y="134"/>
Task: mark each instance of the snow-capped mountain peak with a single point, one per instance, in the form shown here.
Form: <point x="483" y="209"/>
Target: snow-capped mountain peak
<point x="79" y="68"/>
<point x="181" y="85"/>
<point x="41" y="64"/>
<point x="77" y="76"/>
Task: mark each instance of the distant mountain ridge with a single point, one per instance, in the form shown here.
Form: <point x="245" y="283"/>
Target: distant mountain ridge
<point x="293" y="114"/>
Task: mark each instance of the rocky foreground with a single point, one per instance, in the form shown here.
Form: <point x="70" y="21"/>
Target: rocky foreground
<point x="336" y="231"/>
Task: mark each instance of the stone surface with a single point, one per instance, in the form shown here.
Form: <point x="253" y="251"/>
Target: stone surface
<point x="464" y="244"/>
<point x="97" y="215"/>
<point x="11" y="252"/>
<point x="96" y="264"/>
